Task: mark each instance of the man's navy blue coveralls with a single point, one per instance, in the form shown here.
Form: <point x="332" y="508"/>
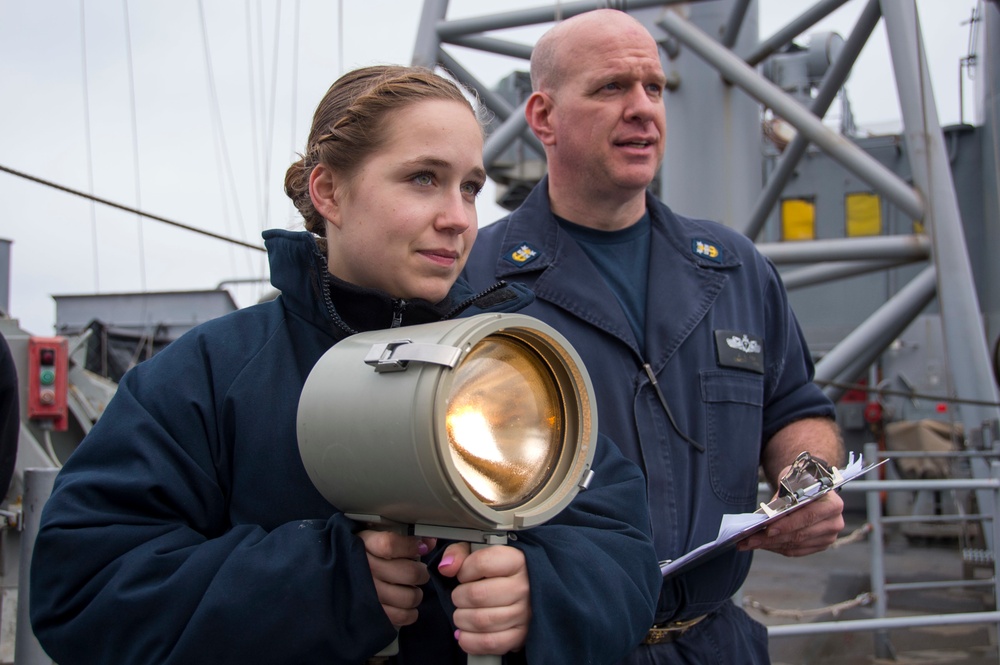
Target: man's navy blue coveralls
<point x="732" y="365"/>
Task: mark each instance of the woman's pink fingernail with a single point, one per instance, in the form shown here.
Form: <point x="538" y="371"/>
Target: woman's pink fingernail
<point x="422" y="548"/>
<point x="458" y="634"/>
<point x="446" y="561"/>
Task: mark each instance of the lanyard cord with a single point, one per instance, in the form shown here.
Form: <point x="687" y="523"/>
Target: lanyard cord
<point x="670" y="416"/>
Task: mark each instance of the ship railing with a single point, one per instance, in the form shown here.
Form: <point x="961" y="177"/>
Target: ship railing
<point x="873" y="487"/>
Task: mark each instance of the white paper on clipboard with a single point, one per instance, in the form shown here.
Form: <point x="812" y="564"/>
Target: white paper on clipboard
<point x="735" y="528"/>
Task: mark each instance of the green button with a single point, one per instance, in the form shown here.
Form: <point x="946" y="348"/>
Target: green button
<point x="47" y="377"/>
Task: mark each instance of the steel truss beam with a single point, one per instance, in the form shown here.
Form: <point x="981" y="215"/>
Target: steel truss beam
<point x="932" y="198"/>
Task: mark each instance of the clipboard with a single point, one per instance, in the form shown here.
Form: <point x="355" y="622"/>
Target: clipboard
<point x="806" y="481"/>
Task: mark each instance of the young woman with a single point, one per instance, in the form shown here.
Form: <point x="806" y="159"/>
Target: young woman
<point x="184" y="528"/>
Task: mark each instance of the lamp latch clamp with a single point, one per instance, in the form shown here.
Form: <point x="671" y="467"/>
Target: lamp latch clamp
<point x="396" y="355"/>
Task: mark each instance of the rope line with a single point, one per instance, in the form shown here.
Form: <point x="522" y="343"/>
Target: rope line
<point x="269" y="117"/>
<point x="215" y="117"/>
<point x="224" y="167"/>
<point x="76" y="192"/>
<point x="835" y="609"/>
<point x="135" y="145"/>
<point x="905" y="393"/>
<point x="861" y="600"/>
<point x="89" y="146"/>
<point x="857" y="535"/>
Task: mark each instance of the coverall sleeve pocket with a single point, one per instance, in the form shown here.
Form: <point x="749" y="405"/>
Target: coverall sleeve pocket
<point x="733" y="410"/>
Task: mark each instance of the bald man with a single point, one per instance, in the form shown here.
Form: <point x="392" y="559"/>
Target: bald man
<point x="701" y="372"/>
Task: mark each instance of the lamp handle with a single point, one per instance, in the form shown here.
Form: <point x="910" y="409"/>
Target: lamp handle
<point x="379" y="524"/>
<point x="486" y="659"/>
<point x="477" y="540"/>
<point x="392" y="649"/>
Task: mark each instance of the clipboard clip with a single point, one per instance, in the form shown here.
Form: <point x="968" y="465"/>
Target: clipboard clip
<point x="807" y="478"/>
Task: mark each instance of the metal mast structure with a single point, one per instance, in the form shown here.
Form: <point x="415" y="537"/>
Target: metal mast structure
<point x="723" y="153"/>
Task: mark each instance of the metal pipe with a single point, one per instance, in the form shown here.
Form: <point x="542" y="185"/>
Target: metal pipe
<point x="509" y="131"/>
<point x="833" y="81"/>
<point x="499" y="106"/>
<point x="37" y="488"/>
<point x="425" y="48"/>
<point x="941" y="584"/>
<point x="923" y="454"/>
<point x="4" y="277"/>
<point x="908" y="247"/>
<point x="734" y="23"/>
<point x="967" y="353"/>
<point x="876" y="540"/>
<point x="869" y="339"/>
<point x="921" y="485"/>
<point x="491" y="45"/>
<point x="828" y="272"/>
<point x="839" y="148"/>
<point x="935" y="519"/>
<point x="890" y="623"/>
<point x="806" y="20"/>
<point x="995" y="472"/>
<point x="448" y="30"/>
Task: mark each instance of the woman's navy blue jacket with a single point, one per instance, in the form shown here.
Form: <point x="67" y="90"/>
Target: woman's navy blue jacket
<point x="184" y="528"/>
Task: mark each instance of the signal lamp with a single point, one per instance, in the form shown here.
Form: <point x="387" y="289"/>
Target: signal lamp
<point x="458" y="429"/>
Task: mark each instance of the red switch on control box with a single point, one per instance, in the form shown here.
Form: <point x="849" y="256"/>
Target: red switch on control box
<point x="48" y="366"/>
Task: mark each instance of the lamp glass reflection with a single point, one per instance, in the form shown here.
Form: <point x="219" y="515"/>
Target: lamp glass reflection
<point x="505" y="422"/>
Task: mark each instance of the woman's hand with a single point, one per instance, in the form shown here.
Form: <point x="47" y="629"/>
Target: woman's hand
<point x="492" y="600"/>
<point x="396" y="568"/>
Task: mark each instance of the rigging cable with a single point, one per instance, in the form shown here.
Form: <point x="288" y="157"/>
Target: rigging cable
<point x="295" y="71"/>
<point x="258" y="177"/>
<point x="137" y="212"/>
<point x="135" y="144"/>
<point x="219" y="135"/>
<point x="340" y="37"/>
<point x="269" y="138"/>
<point x="258" y="98"/>
<point x="879" y="392"/>
<point x="218" y="138"/>
<point x="296" y="28"/>
<point x="259" y="185"/>
<point x="89" y="146"/>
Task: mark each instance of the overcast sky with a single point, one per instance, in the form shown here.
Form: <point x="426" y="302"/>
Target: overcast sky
<point x="115" y="97"/>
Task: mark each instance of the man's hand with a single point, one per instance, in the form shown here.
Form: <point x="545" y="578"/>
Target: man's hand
<point x="814" y="527"/>
<point x="806" y="530"/>
<point x="396" y="568"/>
<point x="492" y="600"/>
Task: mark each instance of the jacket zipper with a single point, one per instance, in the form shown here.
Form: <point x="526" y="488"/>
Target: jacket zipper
<point x="398" y="306"/>
<point x="457" y="309"/>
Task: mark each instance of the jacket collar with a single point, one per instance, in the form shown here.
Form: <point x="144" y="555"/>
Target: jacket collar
<point x="690" y="257"/>
<point x="534" y="234"/>
<point x="299" y="272"/>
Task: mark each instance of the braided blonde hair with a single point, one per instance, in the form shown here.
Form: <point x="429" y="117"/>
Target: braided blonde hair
<point x="351" y="122"/>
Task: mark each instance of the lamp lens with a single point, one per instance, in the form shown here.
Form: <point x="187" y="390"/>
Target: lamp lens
<point x="505" y="422"/>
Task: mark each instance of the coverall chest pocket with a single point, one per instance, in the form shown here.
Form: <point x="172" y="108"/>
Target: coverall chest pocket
<point x="733" y="408"/>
